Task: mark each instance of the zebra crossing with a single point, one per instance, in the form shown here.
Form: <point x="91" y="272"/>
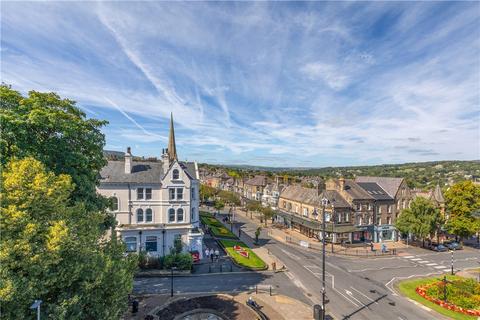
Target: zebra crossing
<point x="427" y="263"/>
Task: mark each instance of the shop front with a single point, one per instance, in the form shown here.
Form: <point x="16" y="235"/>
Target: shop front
<point x="307" y="227"/>
<point x="362" y="234"/>
<point x="385" y="232"/>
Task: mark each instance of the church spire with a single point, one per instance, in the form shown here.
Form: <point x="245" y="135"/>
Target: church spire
<point x="172" y="149"/>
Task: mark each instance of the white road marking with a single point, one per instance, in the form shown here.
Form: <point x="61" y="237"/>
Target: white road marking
<point x="364" y="295"/>
<point x="416" y="259"/>
<point x="431" y="264"/>
<point x="423" y="261"/>
<point x="391" y="289"/>
<point x="291" y="255"/>
<point x="351" y="296"/>
<point x="408" y="257"/>
<point x="346" y="298"/>
<point x="440" y="267"/>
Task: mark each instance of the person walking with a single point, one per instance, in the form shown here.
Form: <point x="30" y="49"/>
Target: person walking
<point x="217" y="253"/>
<point x="211" y="255"/>
<point x="207" y="253"/>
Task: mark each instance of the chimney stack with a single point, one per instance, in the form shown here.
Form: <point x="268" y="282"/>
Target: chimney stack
<point x="128" y="161"/>
<point x="342" y="183"/>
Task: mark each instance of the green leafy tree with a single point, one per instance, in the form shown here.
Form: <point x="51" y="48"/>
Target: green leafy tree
<point x="253" y="206"/>
<point x="57" y="133"/>
<point x="421" y="219"/>
<point x="229" y="198"/>
<point x="53" y="250"/>
<point x="207" y="192"/>
<point x="267" y="213"/>
<point x="219" y="205"/>
<point x="462" y="200"/>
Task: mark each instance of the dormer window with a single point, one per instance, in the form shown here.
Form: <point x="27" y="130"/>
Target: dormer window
<point x="175" y="174"/>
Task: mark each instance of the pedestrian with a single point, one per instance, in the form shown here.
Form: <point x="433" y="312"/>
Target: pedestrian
<point x="217" y="253"/>
<point x="371" y="246"/>
<point x="211" y="255"/>
<point x="239" y="232"/>
<point x="207" y="253"/>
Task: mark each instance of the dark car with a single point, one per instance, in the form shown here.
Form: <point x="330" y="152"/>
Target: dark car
<point x="454" y="246"/>
<point x="439" y="248"/>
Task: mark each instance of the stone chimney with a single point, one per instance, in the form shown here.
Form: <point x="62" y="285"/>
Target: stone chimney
<point x="341" y="182"/>
<point x="165" y="160"/>
<point x="128" y="161"/>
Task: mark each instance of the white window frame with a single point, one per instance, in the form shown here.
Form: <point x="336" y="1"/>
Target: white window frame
<point x="140" y="193"/>
<point x="151" y="239"/>
<point x="171" y="192"/>
<point x="175" y="171"/>
<point x="151" y="193"/>
<point x="168" y="215"/>
<point x="305" y="212"/>
<point x="118" y="203"/>
<point x="131" y="240"/>
<point x="143" y="216"/>
<point x="179" y="193"/>
<point x="178" y="215"/>
<point x="146" y="215"/>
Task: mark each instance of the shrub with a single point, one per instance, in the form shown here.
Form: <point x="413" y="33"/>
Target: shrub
<point x="142" y="260"/>
<point x="182" y="261"/>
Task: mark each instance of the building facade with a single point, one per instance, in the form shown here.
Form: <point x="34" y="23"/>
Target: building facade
<point x="154" y="202"/>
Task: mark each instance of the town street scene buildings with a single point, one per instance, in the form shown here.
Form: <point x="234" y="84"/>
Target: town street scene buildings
<point x="240" y="160"/>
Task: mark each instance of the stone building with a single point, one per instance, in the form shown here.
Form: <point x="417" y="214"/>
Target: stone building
<point x="154" y="202"/>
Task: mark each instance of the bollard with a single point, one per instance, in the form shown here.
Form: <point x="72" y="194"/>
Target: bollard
<point x="270" y="291"/>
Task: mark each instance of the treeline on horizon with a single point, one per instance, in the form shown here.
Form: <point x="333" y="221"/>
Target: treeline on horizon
<point x="423" y="175"/>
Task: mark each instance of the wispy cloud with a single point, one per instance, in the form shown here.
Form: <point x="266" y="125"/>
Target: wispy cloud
<point x="271" y="83"/>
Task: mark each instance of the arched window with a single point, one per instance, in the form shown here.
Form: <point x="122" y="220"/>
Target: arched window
<point x="175" y="174"/>
<point x="148" y="215"/>
<point x="179" y="215"/>
<point x="139" y="215"/>
<point x="114" y="204"/>
<point x="171" y="215"/>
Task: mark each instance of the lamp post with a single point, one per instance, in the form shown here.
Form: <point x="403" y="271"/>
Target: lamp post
<point x="171" y="292"/>
<point x="36" y="305"/>
<point x="324" y="204"/>
<point x="452" y="261"/>
<point x="333" y="225"/>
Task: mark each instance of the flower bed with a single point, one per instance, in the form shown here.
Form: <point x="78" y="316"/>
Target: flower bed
<point x="242" y="255"/>
<point x="426" y="291"/>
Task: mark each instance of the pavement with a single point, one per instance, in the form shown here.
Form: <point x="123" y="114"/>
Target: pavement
<point x="360" y="288"/>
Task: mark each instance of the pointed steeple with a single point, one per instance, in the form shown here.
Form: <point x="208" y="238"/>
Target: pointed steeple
<point x="172" y="149"/>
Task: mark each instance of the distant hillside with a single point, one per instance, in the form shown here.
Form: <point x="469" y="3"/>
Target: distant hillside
<point x="418" y="175"/>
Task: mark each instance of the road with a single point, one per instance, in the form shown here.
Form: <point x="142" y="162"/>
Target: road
<point x="360" y="288"/>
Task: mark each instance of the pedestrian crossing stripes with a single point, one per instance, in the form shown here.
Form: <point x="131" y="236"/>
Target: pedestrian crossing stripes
<point x="431" y="264"/>
<point x="416" y="259"/>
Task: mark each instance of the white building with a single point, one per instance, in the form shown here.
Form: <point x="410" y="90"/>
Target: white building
<point x="155" y="202"/>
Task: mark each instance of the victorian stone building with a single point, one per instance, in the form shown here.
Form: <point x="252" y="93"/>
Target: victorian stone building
<point x="154" y="202"/>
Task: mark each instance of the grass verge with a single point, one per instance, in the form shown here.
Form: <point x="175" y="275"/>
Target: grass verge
<point x="407" y="288"/>
<point x="252" y="262"/>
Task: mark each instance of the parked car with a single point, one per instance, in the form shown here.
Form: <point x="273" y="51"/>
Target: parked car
<point x="438" y="247"/>
<point x="454" y="245"/>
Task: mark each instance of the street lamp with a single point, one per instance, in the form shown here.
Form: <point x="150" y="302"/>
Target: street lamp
<point x="171" y="292"/>
<point x="36" y="305"/>
<point x="324" y="204"/>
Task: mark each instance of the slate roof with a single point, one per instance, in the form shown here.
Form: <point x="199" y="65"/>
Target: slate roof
<point x="257" y="181"/>
<point x="310" y="196"/>
<point x="142" y="172"/>
<point x="390" y="185"/>
<point x="375" y="190"/>
<point x="356" y="191"/>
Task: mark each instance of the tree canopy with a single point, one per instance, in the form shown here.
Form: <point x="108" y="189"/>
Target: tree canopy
<point x="57" y="133"/>
<point x="420" y="220"/>
<point x="462" y="200"/>
<point x="54" y="251"/>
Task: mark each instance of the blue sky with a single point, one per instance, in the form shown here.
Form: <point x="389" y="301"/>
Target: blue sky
<point x="278" y="84"/>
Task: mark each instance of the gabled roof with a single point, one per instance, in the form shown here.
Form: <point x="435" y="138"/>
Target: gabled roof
<point x="390" y="185"/>
<point x="311" y="197"/>
<point x="257" y="181"/>
<point x="142" y="172"/>
<point x="189" y="168"/>
<point x="374" y="190"/>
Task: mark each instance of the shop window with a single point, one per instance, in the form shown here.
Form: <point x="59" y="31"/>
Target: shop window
<point x="131" y="243"/>
<point x="151" y="243"/>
